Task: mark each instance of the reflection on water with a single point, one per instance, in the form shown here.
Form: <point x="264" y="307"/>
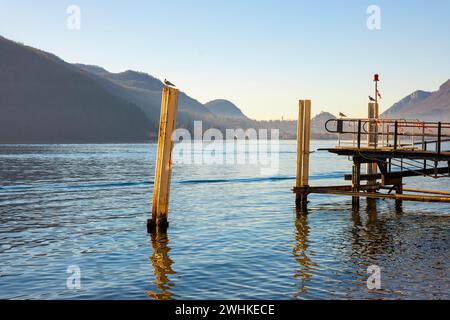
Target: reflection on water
<point x="162" y="266"/>
<point x="301" y="253"/>
<point x="368" y="241"/>
<point x="234" y="234"/>
<point x="377" y="234"/>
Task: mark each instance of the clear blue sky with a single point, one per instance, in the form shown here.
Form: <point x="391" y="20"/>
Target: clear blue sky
<point x="262" y="55"/>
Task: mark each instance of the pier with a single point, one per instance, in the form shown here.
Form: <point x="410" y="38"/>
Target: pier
<point x="390" y="149"/>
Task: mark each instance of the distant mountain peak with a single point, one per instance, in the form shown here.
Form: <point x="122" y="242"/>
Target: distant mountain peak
<point x="419" y="95"/>
<point x="423" y="105"/>
<point x="445" y="86"/>
<point x="225" y="109"/>
<point x="324" y="115"/>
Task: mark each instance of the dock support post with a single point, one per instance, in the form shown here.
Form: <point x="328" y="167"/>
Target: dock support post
<point x="399" y="190"/>
<point x="356" y="179"/>
<point x="163" y="172"/>
<point x="303" y="147"/>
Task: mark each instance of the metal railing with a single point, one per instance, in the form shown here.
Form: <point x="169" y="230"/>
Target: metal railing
<point x="391" y="134"/>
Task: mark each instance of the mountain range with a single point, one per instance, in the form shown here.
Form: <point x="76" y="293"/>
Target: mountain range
<point x="44" y="99"/>
<point x="423" y="105"/>
<point x="224" y="108"/>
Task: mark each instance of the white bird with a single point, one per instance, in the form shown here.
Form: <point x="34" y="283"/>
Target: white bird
<point x="168" y="83"/>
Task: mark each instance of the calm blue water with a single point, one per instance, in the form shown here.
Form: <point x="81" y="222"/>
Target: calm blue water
<point x="234" y="234"/>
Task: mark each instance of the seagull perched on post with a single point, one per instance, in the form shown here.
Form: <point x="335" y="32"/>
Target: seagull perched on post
<point x="342" y="115"/>
<point x="168" y="83"/>
<point x="371" y="99"/>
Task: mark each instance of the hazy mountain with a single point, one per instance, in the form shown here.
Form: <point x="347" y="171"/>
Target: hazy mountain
<point x="422" y="105"/>
<point x="318" y="126"/>
<point x="145" y="91"/>
<point x="404" y="104"/>
<point x="44" y="99"/>
<point x="225" y="109"/>
<point x="318" y="122"/>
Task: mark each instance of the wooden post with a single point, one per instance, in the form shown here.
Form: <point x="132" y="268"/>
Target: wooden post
<point x="300" y="125"/>
<point x="372" y="140"/>
<point x="163" y="173"/>
<point x="306" y="143"/>
<point x="303" y="147"/>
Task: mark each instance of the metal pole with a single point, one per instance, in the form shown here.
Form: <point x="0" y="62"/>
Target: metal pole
<point x="359" y="134"/>
<point x="395" y="134"/>
<point x="439" y="138"/>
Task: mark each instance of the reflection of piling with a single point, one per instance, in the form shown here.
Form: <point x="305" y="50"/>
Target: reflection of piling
<point x="162" y="265"/>
<point x="160" y="207"/>
<point x="303" y="142"/>
<point x="302" y="253"/>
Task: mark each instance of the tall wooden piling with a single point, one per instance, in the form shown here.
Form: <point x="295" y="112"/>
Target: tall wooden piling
<point x="303" y="147"/>
<point x="306" y="142"/>
<point x="300" y="125"/>
<point x="163" y="172"/>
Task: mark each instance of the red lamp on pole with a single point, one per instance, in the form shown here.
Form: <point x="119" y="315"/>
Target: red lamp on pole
<point x="376" y="78"/>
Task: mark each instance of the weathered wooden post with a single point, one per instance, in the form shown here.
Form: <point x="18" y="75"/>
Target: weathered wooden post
<point x="163" y="173"/>
<point x="300" y="125"/>
<point x="303" y="147"/>
<point x="372" y="140"/>
<point x="306" y="143"/>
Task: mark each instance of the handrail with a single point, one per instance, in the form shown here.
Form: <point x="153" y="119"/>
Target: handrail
<point x="392" y="132"/>
<point x="401" y="123"/>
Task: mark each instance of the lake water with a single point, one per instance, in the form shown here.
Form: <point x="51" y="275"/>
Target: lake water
<point x="234" y="233"/>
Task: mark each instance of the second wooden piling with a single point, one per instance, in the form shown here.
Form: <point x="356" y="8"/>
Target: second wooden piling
<point x="303" y="147"/>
